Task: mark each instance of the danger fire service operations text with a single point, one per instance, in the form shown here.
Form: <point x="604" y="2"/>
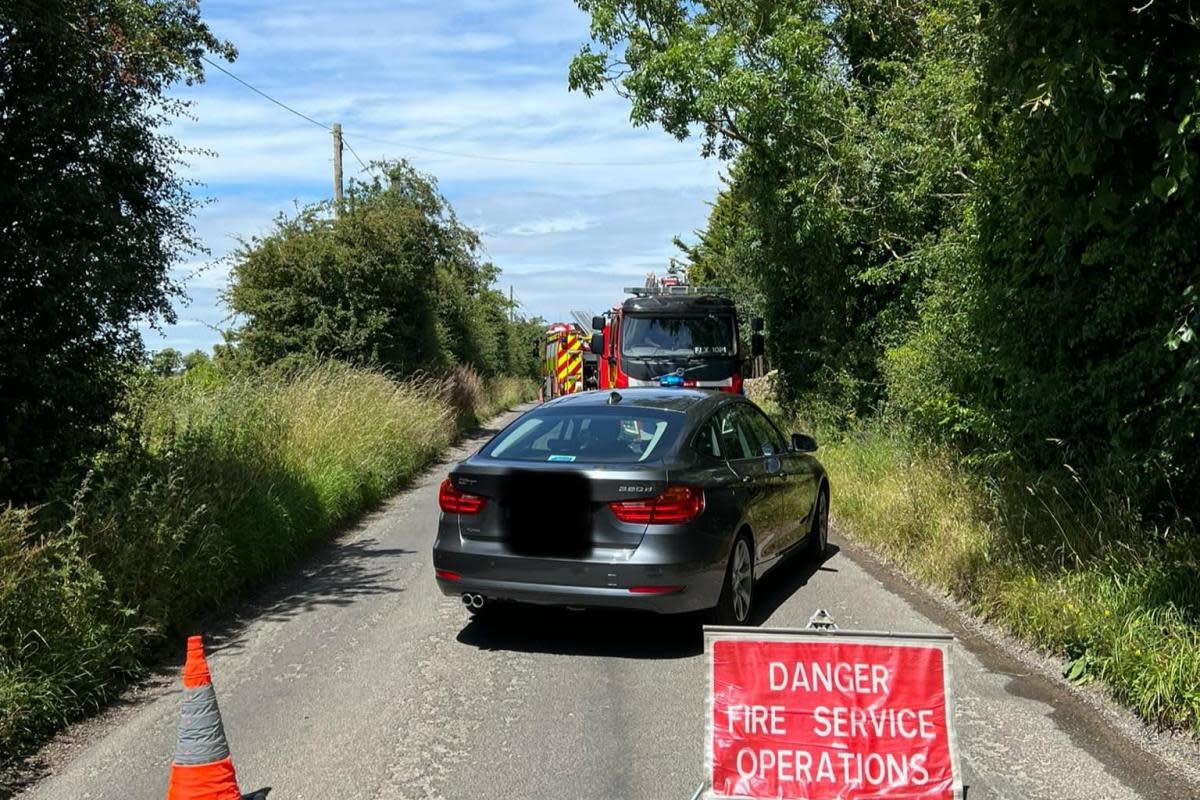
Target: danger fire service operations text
<point x="810" y="717"/>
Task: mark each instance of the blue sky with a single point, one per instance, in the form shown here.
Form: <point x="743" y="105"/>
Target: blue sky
<point x="484" y="77"/>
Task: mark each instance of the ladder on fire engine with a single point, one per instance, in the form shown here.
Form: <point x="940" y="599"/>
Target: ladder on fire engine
<point x="681" y="290"/>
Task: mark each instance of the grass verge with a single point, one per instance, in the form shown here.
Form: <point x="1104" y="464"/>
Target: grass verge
<point x="216" y="482"/>
<point x="1058" y="560"/>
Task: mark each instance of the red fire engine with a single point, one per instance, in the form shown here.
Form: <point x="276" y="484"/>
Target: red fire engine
<point x="672" y="334"/>
<point x="562" y="363"/>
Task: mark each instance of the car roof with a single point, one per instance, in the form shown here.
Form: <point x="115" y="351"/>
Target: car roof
<point x="693" y="402"/>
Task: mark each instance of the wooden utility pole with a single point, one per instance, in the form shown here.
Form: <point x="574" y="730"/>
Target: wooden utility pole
<point x="337" y="167"/>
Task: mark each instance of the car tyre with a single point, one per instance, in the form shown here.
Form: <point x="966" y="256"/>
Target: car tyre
<point x="737" y="594"/>
<point x="818" y="535"/>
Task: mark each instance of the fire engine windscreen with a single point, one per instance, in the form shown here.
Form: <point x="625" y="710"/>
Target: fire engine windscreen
<point x="710" y="335"/>
<point x="604" y="436"/>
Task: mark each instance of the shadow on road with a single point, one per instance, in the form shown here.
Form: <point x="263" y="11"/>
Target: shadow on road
<point x="339" y="574"/>
<point x="623" y="634"/>
<point x="592" y="632"/>
<point x="785" y="580"/>
<point x="480" y="432"/>
<point x="334" y="573"/>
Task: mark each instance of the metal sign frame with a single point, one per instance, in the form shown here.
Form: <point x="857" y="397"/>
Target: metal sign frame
<point x="715" y="633"/>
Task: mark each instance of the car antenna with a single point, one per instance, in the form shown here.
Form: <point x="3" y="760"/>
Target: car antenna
<point x="614" y="398"/>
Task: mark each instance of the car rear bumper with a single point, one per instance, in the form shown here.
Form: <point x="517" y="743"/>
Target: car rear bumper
<point x="683" y="601"/>
<point x="695" y="576"/>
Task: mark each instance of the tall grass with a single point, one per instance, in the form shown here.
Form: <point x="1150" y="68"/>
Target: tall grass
<point x="476" y="399"/>
<point x="217" y="481"/>
<point x="1058" y="559"/>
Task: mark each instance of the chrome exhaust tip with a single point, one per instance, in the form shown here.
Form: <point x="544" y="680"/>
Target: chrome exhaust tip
<point x="466" y="599"/>
<point x="473" y="601"/>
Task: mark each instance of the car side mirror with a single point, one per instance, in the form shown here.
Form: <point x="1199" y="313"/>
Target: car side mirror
<point x="758" y="345"/>
<point x="803" y="443"/>
<point x="597" y="343"/>
<point x="598" y="323"/>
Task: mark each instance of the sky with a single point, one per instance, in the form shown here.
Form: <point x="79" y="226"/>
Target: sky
<point x="409" y="77"/>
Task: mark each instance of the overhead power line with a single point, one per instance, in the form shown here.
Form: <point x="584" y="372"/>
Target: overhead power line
<point x="515" y="160"/>
<point x="434" y="150"/>
<point x="256" y="90"/>
<point x="356" y="158"/>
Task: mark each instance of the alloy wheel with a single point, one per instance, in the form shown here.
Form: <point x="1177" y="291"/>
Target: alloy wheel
<point x="741" y="579"/>
<point x="822" y="522"/>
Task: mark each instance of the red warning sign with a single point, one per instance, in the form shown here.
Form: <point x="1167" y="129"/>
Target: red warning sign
<point x="830" y="716"/>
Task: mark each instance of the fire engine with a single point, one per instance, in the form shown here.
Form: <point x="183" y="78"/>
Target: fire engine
<point x="670" y="333"/>
<point x="562" y="364"/>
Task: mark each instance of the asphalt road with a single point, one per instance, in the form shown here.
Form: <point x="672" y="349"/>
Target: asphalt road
<point x="355" y="678"/>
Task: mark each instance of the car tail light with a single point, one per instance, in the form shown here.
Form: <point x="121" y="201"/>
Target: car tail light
<point x="655" y="589"/>
<point x="455" y="501"/>
<point x="676" y="505"/>
<point x="447" y="575"/>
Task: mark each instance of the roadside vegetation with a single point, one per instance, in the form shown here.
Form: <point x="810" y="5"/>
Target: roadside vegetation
<point x="970" y="229"/>
<point x="213" y="484"/>
<point x="1064" y="565"/>
<point x="141" y="491"/>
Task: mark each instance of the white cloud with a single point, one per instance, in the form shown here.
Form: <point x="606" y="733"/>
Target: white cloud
<point x="547" y="225"/>
<point x="372" y="30"/>
<point x="407" y="78"/>
<point x="584" y="144"/>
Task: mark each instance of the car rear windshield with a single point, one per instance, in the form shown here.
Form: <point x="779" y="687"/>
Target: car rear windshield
<point x="594" y="435"/>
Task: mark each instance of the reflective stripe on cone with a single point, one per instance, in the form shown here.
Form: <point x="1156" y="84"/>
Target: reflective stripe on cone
<point x="202" y="768"/>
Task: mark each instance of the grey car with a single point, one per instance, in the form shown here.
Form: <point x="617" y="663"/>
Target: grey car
<point x="671" y="500"/>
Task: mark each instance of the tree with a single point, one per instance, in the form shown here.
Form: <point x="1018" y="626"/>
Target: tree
<point x="850" y="142"/>
<point x="166" y="362"/>
<point x="1088" y="236"/>
<point x="92" y="213"/>
<point x="525" y="340"/>
<point x="981" y="214"/>
<point x="394" y="281"/>
<point x="195" y="359"/>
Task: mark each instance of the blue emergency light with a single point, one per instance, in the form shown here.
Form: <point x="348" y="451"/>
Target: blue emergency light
<point x="671" y="380"/>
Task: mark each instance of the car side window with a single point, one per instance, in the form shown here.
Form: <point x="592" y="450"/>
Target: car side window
<point x="708" y="442"/>
<point x="737" y="440"/>
<point x="764" y="430"/>
<point x="746" y="423"/>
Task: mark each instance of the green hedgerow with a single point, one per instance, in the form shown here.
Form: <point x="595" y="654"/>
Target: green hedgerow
<point x="213" y="483"/>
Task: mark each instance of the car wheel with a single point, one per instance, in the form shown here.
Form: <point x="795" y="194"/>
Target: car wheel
<point x="737" y="595"/>
<point x="818" y="536"/>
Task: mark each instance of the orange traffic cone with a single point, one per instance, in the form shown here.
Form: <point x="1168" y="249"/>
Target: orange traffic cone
<point x="202" y="769"/>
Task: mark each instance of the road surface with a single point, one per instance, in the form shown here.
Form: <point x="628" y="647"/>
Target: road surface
<point x="355" y="678"/>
